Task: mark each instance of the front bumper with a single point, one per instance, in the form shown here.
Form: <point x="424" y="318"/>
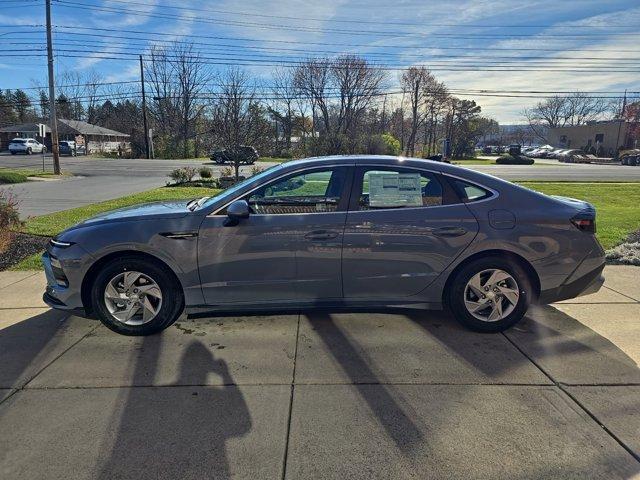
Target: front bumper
<point x="60" y="297"/>
<point x="585" y="285"/>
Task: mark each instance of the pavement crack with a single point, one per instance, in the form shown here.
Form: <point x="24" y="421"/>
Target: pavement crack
<point x="563" y="388"/>
<point x="293" y="386"/>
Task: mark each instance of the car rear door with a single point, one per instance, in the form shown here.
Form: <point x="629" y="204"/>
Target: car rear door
<point x="403" y="228"/>
<point x="288" y="250"/>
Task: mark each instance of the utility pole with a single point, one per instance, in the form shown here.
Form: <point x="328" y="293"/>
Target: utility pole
<point x="620" y="120"/>
<point x="52" y="96"/>
<point x="144" y="110"/>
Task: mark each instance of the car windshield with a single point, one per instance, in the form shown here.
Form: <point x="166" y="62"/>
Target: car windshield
<point x="229" y="192"/>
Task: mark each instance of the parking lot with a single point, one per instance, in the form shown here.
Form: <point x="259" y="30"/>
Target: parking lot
<point x="393" y="395"/>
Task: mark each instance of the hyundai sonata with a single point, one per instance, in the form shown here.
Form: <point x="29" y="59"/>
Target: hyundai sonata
<point x="361" y="231"/>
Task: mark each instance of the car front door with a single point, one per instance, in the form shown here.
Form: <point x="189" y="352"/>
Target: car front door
<point x="287" y="250"/>
<point x="404" y="227"/>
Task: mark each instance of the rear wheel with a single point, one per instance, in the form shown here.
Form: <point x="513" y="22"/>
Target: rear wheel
<point x="135" y="296"/>
<point x="490" y="294"/>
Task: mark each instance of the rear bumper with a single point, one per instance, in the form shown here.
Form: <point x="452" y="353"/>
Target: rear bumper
<point x="588" y="283"/>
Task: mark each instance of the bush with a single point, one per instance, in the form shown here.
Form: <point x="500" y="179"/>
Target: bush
<point x="183" y="175"/>
<point x="508" y="159"/>
<point x="255" y="169"/>
<point x="205" y="172"/>
<point x="12" y="177"/>
<point x="9" y="218"/>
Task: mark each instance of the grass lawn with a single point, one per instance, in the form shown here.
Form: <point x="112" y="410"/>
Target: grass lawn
<point x="19" y="175"/>
<point x="617" y="205"/>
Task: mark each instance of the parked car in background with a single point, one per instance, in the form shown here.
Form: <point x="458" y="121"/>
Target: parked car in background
<point x="331" y="232"/>
<point x="67" y="148"/>
<point x="630" y="158"/>
<point x="244" y="154"/>
<point x="26" y="146"/>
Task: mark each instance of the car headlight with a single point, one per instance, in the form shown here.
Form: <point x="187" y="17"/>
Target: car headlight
<point x="60" y="243"/>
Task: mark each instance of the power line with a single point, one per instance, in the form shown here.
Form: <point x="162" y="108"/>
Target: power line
<point x="295" y="42"/>
<point x="335" y="31"/>
<point x="128" y="46"/>
<point x="200" y="9"/>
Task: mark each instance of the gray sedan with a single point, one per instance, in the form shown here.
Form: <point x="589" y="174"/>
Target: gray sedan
<point x="331" y="232"/>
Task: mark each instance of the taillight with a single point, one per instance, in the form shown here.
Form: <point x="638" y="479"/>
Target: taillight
<point x="585" y="224"/>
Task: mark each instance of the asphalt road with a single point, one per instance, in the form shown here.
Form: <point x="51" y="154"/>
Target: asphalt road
<point x="104" y="179"/>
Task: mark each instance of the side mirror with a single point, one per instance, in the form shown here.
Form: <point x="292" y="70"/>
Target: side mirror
<point x="237" y="211"/>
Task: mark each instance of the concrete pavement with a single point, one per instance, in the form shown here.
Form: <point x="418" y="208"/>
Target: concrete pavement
<point x="394" y="395"/>
<point x="104" y="179"/>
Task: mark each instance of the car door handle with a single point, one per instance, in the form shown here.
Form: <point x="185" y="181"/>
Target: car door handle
<point x="321" y="235"/>
<point x="449" y="231"/>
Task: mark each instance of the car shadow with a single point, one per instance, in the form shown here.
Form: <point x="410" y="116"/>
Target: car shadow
<point x="176" y="432"/>
<point x="394" y="418"/>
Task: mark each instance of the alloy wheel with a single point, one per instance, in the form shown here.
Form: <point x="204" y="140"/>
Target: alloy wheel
<point x="133" y="298"/>
<point x="491" y="295"/>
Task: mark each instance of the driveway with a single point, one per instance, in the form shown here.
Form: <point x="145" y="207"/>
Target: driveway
<point x="394" y="395"/>
<point x="105" y="179"/>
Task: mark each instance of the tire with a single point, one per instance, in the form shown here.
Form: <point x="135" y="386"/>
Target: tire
<point x="28" y="151"/>
<point x="168" y="309"/>
<point x="44" y="149"/>
<point x="460" y="294"/>
<point x="13" y="153"/>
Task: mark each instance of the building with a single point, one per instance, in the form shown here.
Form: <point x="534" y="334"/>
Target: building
<point x="604" y="138"/>
<point x="92" y="138"/>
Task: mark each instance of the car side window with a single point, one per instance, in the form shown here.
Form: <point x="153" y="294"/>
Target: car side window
<point x="469" y="192"/>
<point x="399" y="188"/>
<point x="311" y="192"/>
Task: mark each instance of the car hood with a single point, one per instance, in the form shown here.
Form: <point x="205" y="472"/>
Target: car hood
<point x="141" y="212"/>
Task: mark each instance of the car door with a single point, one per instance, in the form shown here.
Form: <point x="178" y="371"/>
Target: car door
<point x="404" y="227"/>
<point x="287" y="250"/>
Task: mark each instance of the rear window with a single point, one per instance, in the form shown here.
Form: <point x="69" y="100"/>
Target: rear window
<point x="469" y="192"/>
<point x="64" y="144"/>
<point x="18" y="140"/>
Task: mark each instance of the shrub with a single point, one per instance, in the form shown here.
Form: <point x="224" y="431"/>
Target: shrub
<point x="255" y="169"/>
<point x="205" y="172"/>
<point x="508" y="159"/>
<point x="226" y="172"/>
<point x="9" y="218"/>
<point x="12" y="177"/>
<point x="183" y="175"/>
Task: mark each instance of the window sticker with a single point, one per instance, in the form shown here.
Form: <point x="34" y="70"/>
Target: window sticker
<point x="395" y="190"/>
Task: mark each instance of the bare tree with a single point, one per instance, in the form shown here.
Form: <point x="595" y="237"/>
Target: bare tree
<point x="341" y="90"/>
<point x="561" y="111"/>
<point x="413" y="81"/>
<point x="283" y="106"/>
<point x="238" y="117"/>
<point x="177" y="78"/>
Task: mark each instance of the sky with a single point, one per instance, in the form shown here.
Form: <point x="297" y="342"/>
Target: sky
<point x="478" y="48"/>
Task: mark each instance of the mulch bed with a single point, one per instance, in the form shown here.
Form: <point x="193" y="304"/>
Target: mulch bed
<point x="22" y="246"/>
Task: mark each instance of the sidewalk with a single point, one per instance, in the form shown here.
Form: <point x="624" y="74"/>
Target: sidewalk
<point x="398" y="394"/>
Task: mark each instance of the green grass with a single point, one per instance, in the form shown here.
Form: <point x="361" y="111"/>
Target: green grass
<point x="617" y="205"/>
<point x="12" y="177"/>
<point x="19" y="175"/>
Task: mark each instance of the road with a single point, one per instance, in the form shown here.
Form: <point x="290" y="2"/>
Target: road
<point x="104" y="179"/>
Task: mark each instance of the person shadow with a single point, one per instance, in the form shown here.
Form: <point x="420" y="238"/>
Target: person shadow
<point x="180" y="430"/>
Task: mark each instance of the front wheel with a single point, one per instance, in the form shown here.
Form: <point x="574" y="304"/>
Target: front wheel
<point x="134" y="296"/>
<point x="44" y="149"/>
<point x="490" y="294"/>
<point x="29" y="151"/>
